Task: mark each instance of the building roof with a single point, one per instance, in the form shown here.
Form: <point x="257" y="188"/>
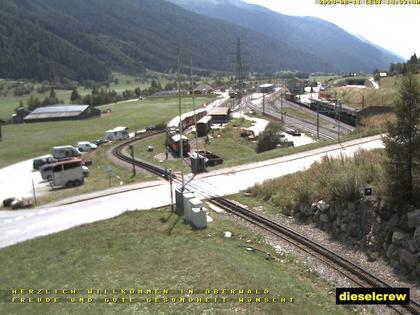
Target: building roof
<point x="203" y="87"/>
<point x="219" y="111"/>
<point x="267" y="85"/>
<point x="177" y="137"/>
<point x="57" y="111"/>
<point x="117" y="129"/>
<point x="204" y="120"/>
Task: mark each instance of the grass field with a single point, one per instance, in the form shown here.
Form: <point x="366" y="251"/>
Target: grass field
<point x="21" y="142"/>
<point x="120" y="82"/>
<point x="155" y="250"/>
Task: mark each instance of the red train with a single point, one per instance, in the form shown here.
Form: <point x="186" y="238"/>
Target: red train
<point x="172" y="135"/>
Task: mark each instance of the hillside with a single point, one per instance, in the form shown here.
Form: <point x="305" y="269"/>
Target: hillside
<point x="334" y="45"/>
<point x="86" y="39"/>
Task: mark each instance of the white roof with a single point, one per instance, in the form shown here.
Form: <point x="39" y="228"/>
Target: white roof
<point x="117" y="129"/>
<point x="176" y="137"/>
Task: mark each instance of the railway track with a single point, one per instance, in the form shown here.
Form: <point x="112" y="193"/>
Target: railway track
<point x="359" y="276"/>
<point x="303" y="125"/>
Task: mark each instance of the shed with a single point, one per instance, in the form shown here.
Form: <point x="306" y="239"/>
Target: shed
<point x="204" y="126"/>
<point x="220" y="115"/>
<point x="266" y="88"/>
<point x="203" y="89"/>
<point x="62" y="112"/>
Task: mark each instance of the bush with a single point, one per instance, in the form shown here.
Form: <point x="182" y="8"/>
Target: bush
<point x="269" y="138"/>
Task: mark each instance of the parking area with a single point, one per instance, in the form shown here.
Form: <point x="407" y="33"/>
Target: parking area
<point x="16" y="181"/>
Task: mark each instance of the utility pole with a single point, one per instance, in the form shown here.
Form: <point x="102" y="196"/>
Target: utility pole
<point x="131" y="147"/>
<point x="263" y="104"/>
<point x="193" y="101"/>
<point x="169" y="172"/>
<point x="338" y="123"/>
<point x="317" y="124"/>
<point x="181" y="142"/>
<point x="281" y="106"/>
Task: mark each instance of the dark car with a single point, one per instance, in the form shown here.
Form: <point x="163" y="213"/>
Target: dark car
<point x="100" y="142"/>
<point x="43" y="160"/>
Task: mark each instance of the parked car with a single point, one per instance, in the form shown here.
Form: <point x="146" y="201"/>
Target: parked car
<point x="42" y="160"/>
<point x="66" y="151"/>
<point x="86" y="146"/>
<point x="101" y="141"/>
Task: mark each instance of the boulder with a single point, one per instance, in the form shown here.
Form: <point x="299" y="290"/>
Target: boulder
<point x="351" y="207"/>
<point x="322" y="206"/>
<point x="418" y="269"/>
<point x="399" y="237"/>
<point x="323" y="218"/>
<point x="413" y="218"/>
<point x="411" y="246"/>
<point x="392" y="251"/>
<point x="408" y="259"/>
<point x="416" y="237"/>
<point x="393" y="221"/>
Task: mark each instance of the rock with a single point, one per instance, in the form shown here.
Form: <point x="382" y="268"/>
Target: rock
<point x="398" y="237"/>
<point x="286" y="211"/>
<point x="228" y="234"/>
<point x="413" y="218"/>
<point x="323" y="218"/>
<point x="418" y="269"/>
<point x="343" y="227"/>
<point x="322" y="206"/>
<point x="416" y="237"/>
<point x="338" y="220"/>
<point x="392" y="251"/>
<point x="411" y="246"/>
<point x="345" y="212"/>
<point x="407" y="258"/>
<point x="325" y="226"/>
<point x="351" y="207"/>
<point x="393" y="221"/>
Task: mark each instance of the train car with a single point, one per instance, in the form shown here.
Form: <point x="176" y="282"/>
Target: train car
<point x="173" y="141"/>
<point x="344" y="113"/>
<point x="172" y="131"/>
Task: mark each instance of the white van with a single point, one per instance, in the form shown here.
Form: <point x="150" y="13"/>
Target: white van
<point x="86" y="146"/>
<point x="116" y="134"/>
<point x="65" y="152"/>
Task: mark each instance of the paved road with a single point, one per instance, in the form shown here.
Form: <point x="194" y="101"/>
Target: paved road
<point x="18" y="226"/>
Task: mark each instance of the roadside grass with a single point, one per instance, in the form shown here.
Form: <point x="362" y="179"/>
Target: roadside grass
<point x="323" y="78"/>
<point x="332" y="180"/>
<point x="26" y="141"/>
<point x="155" y="250"/>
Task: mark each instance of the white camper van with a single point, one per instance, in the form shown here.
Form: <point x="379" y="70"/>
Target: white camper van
<point x="116" y="134"/>
<point x="65" y="152"/>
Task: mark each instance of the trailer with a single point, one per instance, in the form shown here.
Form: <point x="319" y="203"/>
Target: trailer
<point x="117" y="134"/>
<point x="67" y="174"/>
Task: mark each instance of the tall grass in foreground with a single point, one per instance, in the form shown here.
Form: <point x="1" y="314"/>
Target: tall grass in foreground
<point x="333" y="180"/>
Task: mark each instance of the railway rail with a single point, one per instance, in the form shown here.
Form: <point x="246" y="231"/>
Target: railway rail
<point x="342" y="265"/>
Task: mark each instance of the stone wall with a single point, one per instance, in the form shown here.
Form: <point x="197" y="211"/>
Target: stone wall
<point x="377" y="230"/>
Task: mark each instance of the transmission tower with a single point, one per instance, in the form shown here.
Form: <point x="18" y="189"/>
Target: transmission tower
<point x="239" y="68"/>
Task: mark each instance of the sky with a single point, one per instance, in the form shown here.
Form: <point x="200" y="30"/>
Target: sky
<point x="394" y="27"/>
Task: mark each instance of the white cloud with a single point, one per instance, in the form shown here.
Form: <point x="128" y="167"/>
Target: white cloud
<point x="394" y="27"/>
